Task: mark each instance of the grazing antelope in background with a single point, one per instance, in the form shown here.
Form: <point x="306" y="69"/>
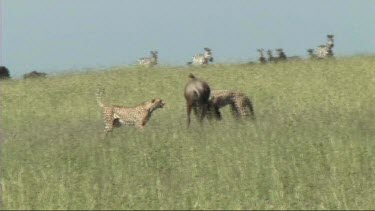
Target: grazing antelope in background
<point x="325" y="51"/>
<point x="281" y="55"/>
<point x="150" y="61"/>
<point x="34" y="74"/>
<point x="270" y="56"/>
<point x="311" y="53"/>
<point x="202" y="59"/>
<point x="330" y="41"/>
<point x="4" y="73"/>
<point x="262" y="59"/>
<point x="197" y="93"/>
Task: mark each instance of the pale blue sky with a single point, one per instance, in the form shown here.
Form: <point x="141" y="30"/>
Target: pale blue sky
<point x="59" y="35"/>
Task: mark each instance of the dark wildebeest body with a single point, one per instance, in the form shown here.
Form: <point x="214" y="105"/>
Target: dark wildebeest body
<point x="34" y="74"/>
<point x="4" y="73"/>
<point x="271" y="58"/>
<point x="262" y="59"/>
<point x="281" y="55"/>
<point x="197" y="93"/>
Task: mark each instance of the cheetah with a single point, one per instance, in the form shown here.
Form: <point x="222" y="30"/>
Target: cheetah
<point x="241" y="105"/>
<point x="115" y="116"/>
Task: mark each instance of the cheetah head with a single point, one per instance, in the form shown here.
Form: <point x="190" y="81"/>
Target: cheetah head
<point x="157" y="103"/>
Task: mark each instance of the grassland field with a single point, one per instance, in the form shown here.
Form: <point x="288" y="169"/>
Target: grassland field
<point x="312" y="145"/>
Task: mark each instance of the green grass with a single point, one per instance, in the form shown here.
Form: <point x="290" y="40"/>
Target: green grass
<point x="311" y="147"/>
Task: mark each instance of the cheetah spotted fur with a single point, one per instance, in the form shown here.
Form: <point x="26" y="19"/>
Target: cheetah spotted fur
<point x="115" y="116"/>
<point x="241" y="106"/>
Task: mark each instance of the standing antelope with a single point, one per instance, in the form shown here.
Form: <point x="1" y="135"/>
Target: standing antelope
<point x="150" y="61"/>
<point x="202" y="59"/>
<point x="262" y="59"/>
<point x="311" y="53"/>
<point x="270" y="56"/>
<point x="325" y="51"/>
<point x="281" y="55"/>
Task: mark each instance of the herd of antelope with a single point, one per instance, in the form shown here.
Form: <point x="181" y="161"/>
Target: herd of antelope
<point x="321" y="52"/>
<point x="203" y="59"/>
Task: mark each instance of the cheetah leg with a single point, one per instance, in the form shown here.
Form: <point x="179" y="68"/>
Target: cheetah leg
<point x="235" y="111"/>
<point x="251" y="108"/>
<point x="143" y="124"/>
<point x="243" y="110"/>
<point x="246" y="109"/>
<point x="108" y="128"/>
<point x="217" y="114"/>
<point x="211" y="114"/>
<point x="141" y="127"/>
<point x="108" y="119"/>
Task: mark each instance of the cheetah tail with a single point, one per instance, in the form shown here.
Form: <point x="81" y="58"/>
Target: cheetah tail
<point x="99" y="93"/>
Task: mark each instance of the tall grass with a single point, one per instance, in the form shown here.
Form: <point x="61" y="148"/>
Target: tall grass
<point x="311" y="147"/>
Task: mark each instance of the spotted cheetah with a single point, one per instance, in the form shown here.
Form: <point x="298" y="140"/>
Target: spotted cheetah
<point x="115" y="116"/>
<point x="241" y="106"/>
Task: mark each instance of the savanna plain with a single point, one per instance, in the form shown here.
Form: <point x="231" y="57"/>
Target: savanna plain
<point x="312" y="145"/>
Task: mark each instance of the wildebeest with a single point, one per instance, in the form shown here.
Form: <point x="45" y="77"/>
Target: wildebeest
<point x="271" y="58"/>
<point x="197" y="93"/>
<point x="262" y="59"/>
<point x="281" y="55"/>
<point x="311" y="53"/>
<point x="34" y="74"/>
<point x="4" y="73"/>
